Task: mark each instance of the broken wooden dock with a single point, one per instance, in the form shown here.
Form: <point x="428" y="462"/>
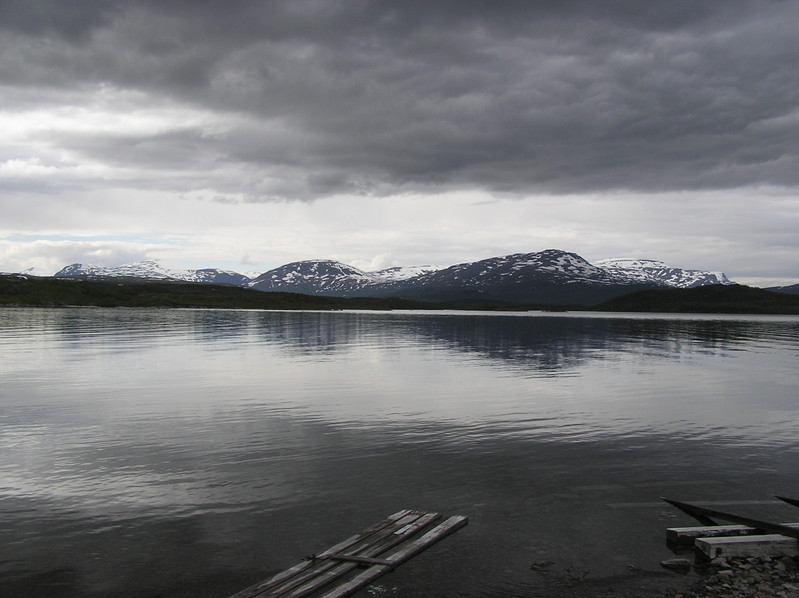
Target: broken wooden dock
<point x="687" y="536"/>
<point x="359" y="560"/>
<point x="748" y="538"/>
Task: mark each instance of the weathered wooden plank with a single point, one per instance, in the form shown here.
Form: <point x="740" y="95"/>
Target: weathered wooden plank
<point x="406" y="533"/>
<point x="261" y="587"/>
<point x="330" y="574"/>
<point x="773" y="545"/>
<point x="399" y="556"/>
<point x="790" y="501"/>
<point x="358" y="559"/>
<point x="685" y="536"/>
<point x="326" y="570"/>
<point x="767" y="526"/>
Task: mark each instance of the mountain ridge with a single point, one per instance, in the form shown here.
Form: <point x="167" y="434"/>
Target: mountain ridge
<point x="152" y="270"/>
<point x="548" y="276"/>
<point x="792" y="289"/>
<point x="655" y="270"/>
<point x="19" y="290"/>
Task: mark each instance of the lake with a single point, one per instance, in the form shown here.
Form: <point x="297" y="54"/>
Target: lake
<point x="181" y="453"/>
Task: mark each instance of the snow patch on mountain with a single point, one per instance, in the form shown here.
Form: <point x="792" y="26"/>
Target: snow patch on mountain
<point x="403" y="272"/>
<point x="514" y="273"/>
<point x="318" y="277"/>
<point x="563" y="263"/>
<point x="519" y="275"/>
<point x="145" y="269"/>
<point x="653" y="271"/>
<point x="152" y="270"/>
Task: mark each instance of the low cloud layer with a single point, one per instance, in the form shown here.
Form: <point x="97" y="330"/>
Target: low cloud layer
<point x="301" y="100"/>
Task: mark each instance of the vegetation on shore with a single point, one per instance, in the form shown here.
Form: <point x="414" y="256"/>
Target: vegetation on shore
<point x="729" y="299"/>
<point x="19" y="290"/>
<point x="60" y="292"/>
<point x="30" y="291"/>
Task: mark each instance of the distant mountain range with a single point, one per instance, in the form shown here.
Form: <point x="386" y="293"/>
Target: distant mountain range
<point x="547" y="277"/>
<point x="790" y="290"/>
<point x="152" y="270"/>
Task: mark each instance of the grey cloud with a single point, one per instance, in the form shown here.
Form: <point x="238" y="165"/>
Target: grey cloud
<point x="47" y="257"/>
<point x="69" y="19"/>
<point x="369" y="97"/>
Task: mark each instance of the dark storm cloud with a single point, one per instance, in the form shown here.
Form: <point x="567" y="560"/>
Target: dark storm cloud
<point x="70" y="19"/>
<point x="318" y="97"/>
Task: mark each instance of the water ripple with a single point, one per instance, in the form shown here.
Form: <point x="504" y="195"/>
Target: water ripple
<point x="229" y="441"/>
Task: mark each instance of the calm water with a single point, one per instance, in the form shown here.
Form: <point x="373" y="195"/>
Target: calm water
<point x="191" y="453"/>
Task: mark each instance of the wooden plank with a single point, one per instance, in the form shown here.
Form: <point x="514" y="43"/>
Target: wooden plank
<point x="790" y="501"/>
<point x="685" y="536"/>
<point x="773" y="545"/>
<point x="767" y="526"/>
<point x="338" y="564"/>
<point x="326" y="571"/>
<point x="401" y="555"/>
<point x="331" y="574"/>
<point x="262" y="586"/>
<point x="358" y="559"/>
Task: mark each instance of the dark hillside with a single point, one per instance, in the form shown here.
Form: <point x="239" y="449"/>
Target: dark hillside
<point x="525" y="295"/>
<point x="17" y="290"/>
<point x="55" y="292"/>
<point x="728" y="299"/>
<point x="791" y="290"/>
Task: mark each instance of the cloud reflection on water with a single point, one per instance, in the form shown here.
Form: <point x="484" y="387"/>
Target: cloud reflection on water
<point x="223" y="441"/>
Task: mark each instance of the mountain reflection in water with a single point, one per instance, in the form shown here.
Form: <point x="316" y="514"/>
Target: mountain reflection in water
<point x="189" y="452"/>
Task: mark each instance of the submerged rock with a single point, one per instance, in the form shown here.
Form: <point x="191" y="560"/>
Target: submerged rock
<point x="681" y="565"/>
<point x="746" y="577"/>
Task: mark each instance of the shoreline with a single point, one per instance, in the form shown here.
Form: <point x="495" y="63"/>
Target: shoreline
<point x="751" y="577"/>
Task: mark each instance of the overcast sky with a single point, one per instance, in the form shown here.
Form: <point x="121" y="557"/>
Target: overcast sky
<point x="249" y="134"/>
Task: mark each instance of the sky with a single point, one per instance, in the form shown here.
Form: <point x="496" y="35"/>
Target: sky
<point x="245" y="135"/>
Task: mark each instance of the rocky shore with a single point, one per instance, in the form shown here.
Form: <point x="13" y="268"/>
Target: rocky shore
<point x="755" y="577"/>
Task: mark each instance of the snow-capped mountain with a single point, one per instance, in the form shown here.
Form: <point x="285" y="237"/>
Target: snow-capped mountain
<point x="552" y="264"/>
<point x="314" y="277"/>
<point x="144" y="269"/>
<point x="39" y="272"/>
<point x="547" y="276"/>
<point x="403" y="272"/>
<point x="152" y="270"/>
<point x="652" y="271"/>
<point x="550" y="276"/>
<point x="328" y="277"/>
<point x="213" y="275"/>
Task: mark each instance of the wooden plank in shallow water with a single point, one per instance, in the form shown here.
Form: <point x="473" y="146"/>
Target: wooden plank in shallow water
<point x="685" y="536"/>
<point x="333" y="568"/>
<point x="357" y="561"/>
<point x="700" y="513"/>
<point x="790" y="501"/>
<point x="773" y="545"/>
<point x="307" y="569"/>
<point x="405" y="552"/>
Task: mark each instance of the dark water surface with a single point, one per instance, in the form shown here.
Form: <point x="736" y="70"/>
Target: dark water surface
<point x="191" y="453"/>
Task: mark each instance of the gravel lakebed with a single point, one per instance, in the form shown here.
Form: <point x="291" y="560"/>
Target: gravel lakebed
<point x="753" y="577"/>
